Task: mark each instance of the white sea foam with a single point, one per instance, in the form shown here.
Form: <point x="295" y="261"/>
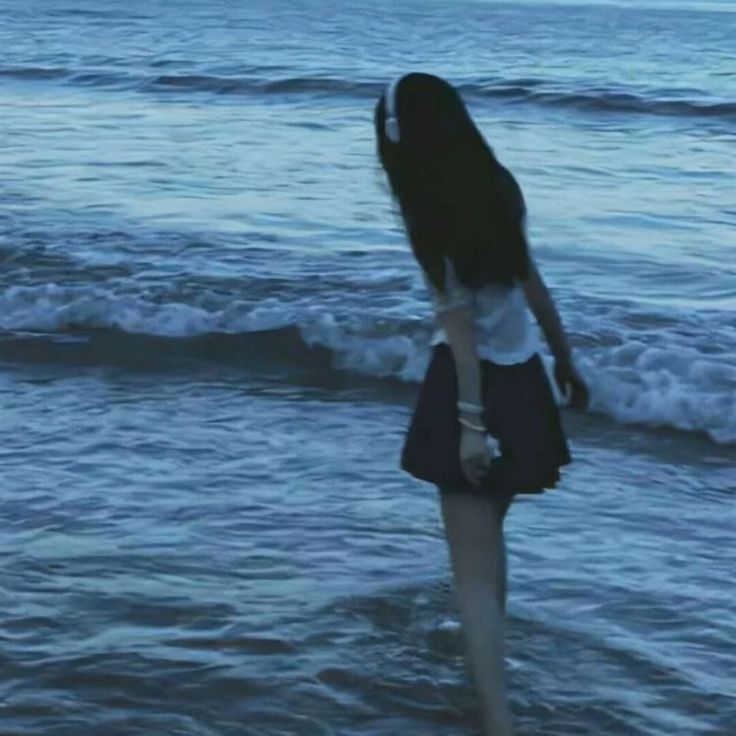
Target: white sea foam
<point x="55" y="308"/>
<point x="673" y="385"/>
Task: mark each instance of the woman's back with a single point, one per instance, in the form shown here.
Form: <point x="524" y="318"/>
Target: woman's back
<point x="504" y="331"/>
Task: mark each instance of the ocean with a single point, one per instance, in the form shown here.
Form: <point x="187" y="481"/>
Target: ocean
<point x="212" y="333"/>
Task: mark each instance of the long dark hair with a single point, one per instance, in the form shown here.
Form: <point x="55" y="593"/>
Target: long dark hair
<point x="456" y="199"/>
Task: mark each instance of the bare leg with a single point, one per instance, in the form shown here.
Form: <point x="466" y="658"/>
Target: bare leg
<point x="473" y="526"/>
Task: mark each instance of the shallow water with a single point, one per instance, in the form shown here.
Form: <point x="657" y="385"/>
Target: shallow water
<point x="211" y="334"/>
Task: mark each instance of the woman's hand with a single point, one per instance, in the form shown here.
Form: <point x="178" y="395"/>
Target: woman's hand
<point x="474" y="455"/>
<point x="571" y="384"/>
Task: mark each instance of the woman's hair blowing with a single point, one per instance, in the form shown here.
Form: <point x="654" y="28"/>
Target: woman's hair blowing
<point x="456" y="199"/>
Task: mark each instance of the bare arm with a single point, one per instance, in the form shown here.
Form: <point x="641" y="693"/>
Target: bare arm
<point x="544" y="310"/>
<point x="455" y="310"/>
<point x="546" y="314"/>
<point x="459" y="326"/>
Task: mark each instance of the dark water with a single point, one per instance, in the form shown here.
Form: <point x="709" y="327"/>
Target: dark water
<point x="211" y="333"/>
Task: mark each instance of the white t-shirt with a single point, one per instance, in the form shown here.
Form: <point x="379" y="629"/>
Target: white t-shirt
<point x="504" y="331"/>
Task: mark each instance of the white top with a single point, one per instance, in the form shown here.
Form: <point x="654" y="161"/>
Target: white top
<point x="504" y="332"/>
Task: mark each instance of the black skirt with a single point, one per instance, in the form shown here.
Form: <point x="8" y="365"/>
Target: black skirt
<point x="520" y="412"/>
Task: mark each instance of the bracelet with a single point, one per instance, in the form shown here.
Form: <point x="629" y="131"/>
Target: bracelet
<point x="475" y="427"/>
<point x="470" y="408"/>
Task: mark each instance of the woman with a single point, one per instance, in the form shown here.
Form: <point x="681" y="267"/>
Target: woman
<point x="486" y="425"/>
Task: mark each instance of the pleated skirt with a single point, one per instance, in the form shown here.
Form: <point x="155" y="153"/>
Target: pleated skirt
<point x="520" y="412"/>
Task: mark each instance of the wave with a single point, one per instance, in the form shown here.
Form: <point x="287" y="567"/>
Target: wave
<point x="257" y="80"/>
<point x="254" y="85"/>
<point x="31" y="73"/>
<point x="524" y="90"/>
<point x="676" y="387"/>
<point x="603" y="100"/>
